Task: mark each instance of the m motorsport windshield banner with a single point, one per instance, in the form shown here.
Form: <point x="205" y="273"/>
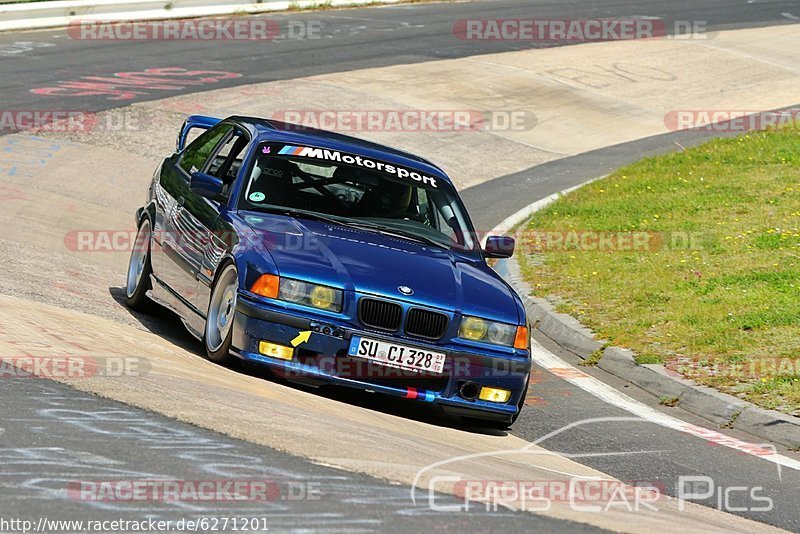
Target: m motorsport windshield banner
<point x="339" y="157"/>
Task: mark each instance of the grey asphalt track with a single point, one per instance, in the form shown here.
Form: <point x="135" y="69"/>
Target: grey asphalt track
<point x="63" y="448"/>
<point x="348" y="39"/>
<point x="56" y="440"/>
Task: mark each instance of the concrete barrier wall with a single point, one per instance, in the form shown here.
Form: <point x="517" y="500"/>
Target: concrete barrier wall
<point x="36" y="15"/>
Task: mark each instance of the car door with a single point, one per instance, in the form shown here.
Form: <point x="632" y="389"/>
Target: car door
<point x="184" y="235"/>
<point x="225" y="165"/>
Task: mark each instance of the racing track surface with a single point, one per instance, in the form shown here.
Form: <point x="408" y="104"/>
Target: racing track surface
<point x="658" y="453"/>
<point x="76" y="434"/>
<point x="351" y="39"/>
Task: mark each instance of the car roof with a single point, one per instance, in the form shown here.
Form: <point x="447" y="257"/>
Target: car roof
<point x="274" y="130"/>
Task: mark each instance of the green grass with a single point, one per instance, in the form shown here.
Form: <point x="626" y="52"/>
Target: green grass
<point x="295" y="6"/>
<point x="669" y="402"/>
<point x="593" y="359"/>
<point x="715" y="294"/>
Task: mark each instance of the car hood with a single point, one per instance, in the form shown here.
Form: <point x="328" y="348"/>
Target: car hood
<point x="378" y="264"/>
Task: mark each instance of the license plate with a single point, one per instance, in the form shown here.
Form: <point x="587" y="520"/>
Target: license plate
<point x="397" y="355"/>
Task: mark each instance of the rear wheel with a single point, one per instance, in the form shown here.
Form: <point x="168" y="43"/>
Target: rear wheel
<point x="139" y="270"/>
<point x="219" y="320"/>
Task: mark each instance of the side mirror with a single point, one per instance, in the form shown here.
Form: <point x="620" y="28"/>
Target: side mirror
<point x="499" y="246"/>
<point x="205" y="185"/>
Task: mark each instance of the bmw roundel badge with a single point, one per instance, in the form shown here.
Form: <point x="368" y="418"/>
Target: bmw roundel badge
<point x="405" y="290"/>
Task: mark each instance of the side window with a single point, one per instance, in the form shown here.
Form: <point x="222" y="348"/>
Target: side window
<point x="228" y="159"/>
<point x="193" y="134"/>
<point x="195" y="156"/>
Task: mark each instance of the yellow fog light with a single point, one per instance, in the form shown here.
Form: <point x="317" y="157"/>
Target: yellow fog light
<point x="494" y="394"/>
<point x="273" y="350"/>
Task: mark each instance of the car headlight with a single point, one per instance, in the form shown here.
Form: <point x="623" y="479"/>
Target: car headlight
<point x="292" y="290"/>
<point x="322" y="297"/>
<point x="298" y="292"/>
<point x="477" y="329"/>
<point x="473" y="329"/>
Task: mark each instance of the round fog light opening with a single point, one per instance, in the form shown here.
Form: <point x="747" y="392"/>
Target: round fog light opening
<point x="469" y="391"/>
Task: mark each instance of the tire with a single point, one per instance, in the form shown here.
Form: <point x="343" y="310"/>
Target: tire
<point x="520" y="405"/>
<point x="500" y="425"/>
<point x="139" y="270"/>
<point x="218" y="331"/>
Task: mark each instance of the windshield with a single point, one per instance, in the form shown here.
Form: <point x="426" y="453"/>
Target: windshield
<point x="353" y="190"/>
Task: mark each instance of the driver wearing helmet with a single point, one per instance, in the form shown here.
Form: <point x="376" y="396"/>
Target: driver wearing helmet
<point x="387" y="199"/>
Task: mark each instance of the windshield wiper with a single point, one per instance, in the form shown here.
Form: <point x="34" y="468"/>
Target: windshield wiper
<point x="302" y="214"/>
<point x="397" y="233"/>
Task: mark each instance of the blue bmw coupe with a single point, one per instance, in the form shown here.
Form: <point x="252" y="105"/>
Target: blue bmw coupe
<point x="331" y="260"/>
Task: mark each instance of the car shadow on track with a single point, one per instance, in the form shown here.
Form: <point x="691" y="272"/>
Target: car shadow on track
<point x="161" y="322"/>
<point x="168" y="326"/>
<point x="407" y="409"/>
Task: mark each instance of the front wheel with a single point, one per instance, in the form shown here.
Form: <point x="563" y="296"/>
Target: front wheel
<point x="502" y="425"/>
<point x="520" y="405"/>
<point x="139" y="270"/>
<point x="219" y="320"/>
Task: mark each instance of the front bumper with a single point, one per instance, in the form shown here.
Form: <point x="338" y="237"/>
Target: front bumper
<point x="324" y="359"/>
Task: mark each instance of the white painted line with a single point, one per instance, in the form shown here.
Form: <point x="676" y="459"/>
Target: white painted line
<point x="57" y="13"/>
<point x="609" y="395"/>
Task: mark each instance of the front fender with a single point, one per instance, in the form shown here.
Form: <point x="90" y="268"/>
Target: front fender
<point x="149" y="211"/>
